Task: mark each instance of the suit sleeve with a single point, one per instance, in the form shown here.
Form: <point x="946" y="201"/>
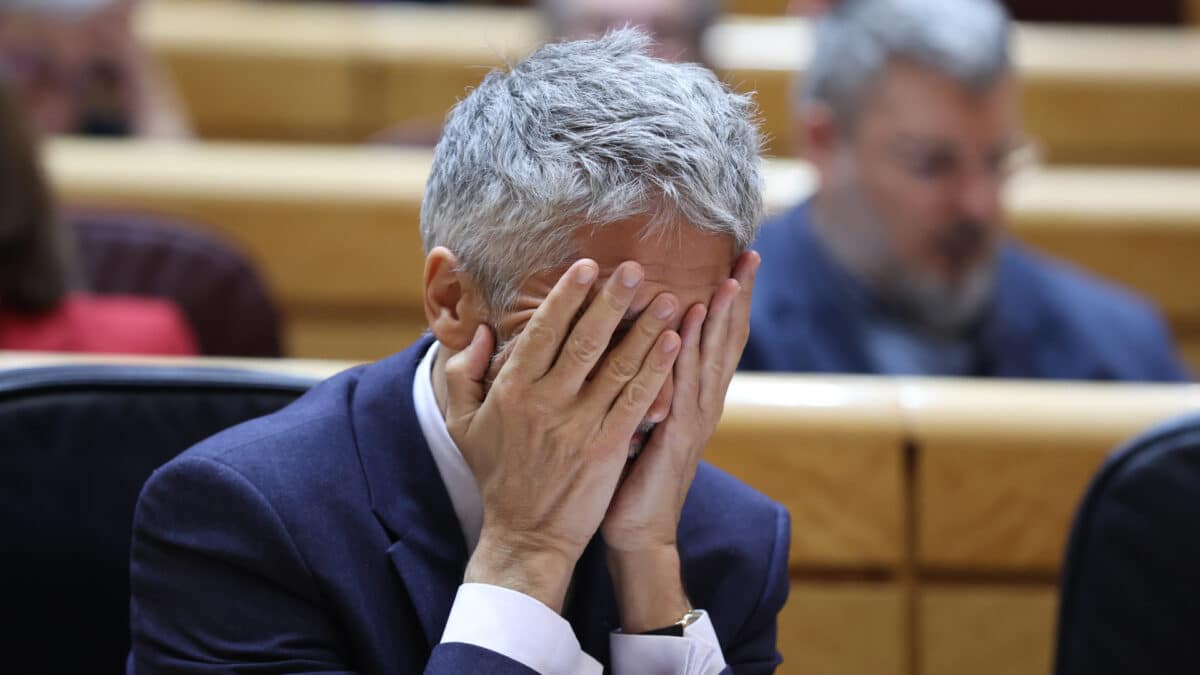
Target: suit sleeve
<point x="753" y="651"/>
<point x="1165" y="363"/>
<point x="218" y="585"/>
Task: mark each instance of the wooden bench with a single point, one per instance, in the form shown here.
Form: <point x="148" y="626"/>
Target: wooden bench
<point x="335" y="228"/>
<point x="1001" y="469"/>
<point x="342" y="73"/>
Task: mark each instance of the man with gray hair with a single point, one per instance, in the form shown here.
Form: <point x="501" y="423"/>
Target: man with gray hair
<point x="899" y="263"/>
<point x="521" y="490"/>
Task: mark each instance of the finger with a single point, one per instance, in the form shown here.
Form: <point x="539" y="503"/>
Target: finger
<point x="745" y="272"/>
<point x="630" y="407"/>
<point x="687" y="364"/>
<point x="464" y="376"/>
<point x="590" y="336"/>
<point x="625" y="361"/>
<point x="536" y="347"/>
<point x="713" y="342"/>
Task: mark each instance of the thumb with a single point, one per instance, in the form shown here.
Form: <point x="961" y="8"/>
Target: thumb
<point x="464" y="375"/>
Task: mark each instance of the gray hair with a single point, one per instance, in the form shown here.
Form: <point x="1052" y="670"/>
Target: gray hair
<point x="967" y="40"/>
<point x="581" y="135"/>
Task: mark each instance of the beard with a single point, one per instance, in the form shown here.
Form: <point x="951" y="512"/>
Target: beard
<point x="861" y="241"/>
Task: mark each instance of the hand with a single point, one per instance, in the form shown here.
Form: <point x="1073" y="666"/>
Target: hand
<point x="640" y="529"/>
<point x="548" y="441"/>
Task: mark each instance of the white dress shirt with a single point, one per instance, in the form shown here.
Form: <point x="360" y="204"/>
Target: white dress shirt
<point x="518" y="626"/>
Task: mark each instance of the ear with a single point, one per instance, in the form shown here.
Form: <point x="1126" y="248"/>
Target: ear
<point x="454" y="307"/>
<point x="818" y="135"/>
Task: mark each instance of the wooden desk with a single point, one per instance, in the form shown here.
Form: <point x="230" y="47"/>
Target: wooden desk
<point x="335" y="228"/>
<point x="341" y="73"/>
<point x="1002" y="467"/>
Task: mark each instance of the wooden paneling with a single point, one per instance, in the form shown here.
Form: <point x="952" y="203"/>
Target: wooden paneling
<point x="843" y="629"/>
<point x="327" y="72"/>
<point x="1003" y="465"/>
<point x="829" y="450"/>
<point x="335" y="227"/>
<point x="986" y="630"/>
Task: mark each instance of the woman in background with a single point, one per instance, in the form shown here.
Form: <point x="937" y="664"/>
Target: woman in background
<point x="37" y="309"/>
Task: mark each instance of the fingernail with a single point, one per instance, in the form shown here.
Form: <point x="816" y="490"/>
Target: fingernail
<point x="631" y="276"/>
<point x="664" y="308"/>
<point x="585" y="274"/>
<point x="669" y="346"/>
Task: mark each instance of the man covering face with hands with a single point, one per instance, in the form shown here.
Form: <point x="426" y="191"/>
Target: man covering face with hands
<point x="522" y="490"/>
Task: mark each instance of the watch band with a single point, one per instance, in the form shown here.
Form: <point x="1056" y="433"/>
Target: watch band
<point x="676" y="629"/>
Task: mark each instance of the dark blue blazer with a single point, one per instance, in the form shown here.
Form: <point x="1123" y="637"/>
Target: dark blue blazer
<point x="321" y="538"/>
<point x="1047" y="319"/>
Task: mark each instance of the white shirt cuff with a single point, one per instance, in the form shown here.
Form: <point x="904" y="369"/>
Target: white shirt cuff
<point x="696" y="653"/>
<point x="515" y="625"/>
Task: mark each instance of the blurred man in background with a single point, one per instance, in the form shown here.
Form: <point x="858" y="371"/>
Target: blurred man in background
<point x="677" y="26"/>
<point x="79" y="68"/>
<point x="900" y="263"/>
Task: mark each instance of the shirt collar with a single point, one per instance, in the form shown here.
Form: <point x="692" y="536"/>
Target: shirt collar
<point x="455" y="473"/>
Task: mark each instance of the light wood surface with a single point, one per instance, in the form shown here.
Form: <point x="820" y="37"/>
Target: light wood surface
<point x="335" y="227"/>
<point x="830" y="451"/>
<point x="987" y="630"/>
<point x="1003" y="465"/>
<point x="843" y="628"/>
<point x="285" y="71"/>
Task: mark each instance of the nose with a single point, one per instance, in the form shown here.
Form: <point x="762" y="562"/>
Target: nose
<point x="661" y="406"/>
<point x="981" y="197"/>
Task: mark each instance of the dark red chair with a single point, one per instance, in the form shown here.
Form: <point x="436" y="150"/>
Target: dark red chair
<point x="216" y="286"/>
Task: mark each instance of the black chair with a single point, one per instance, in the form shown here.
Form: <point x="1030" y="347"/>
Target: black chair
<point x="1130" y="599"/>
<point x="76" y="445"/>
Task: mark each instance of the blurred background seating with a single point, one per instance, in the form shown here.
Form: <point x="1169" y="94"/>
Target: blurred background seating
<point x="353" y="213"/>
<point x="1092" y="95"/>
<point x="216" y="287"/>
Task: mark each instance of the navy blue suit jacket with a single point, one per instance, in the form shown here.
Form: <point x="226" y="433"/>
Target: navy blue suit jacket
<point x="1047" y="320"/>
<point x="321" y="538"/>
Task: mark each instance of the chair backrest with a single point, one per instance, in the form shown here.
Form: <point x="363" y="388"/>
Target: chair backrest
<point x="215" y="285"/>
<point x="1130" y="598"/>
<point x="76" y="445"/>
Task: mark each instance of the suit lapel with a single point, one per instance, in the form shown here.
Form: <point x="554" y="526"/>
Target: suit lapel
<point x="407" y="494"/>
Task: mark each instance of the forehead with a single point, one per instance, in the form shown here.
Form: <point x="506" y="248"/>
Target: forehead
<point x="681" y="260"/>
<point x="919" y="99"/>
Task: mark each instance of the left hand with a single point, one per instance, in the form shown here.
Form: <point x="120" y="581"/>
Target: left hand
<point x="641" y="525"/>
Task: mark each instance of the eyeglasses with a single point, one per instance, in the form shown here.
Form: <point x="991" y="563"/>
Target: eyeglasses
<point x="941" y="162"/>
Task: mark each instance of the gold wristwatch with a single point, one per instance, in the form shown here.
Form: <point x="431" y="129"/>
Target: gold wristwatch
<point x="676" y="629"/>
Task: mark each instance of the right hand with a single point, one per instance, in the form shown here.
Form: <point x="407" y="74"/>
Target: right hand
<point x="549" y="441"/>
